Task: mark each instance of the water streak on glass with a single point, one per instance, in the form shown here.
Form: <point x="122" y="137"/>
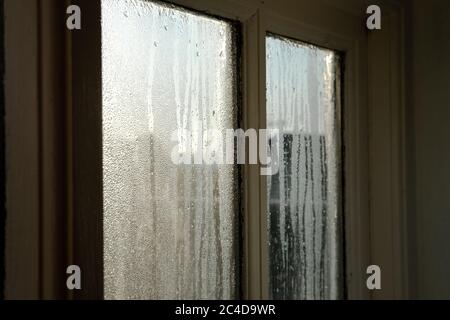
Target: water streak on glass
<point x="169" y="230"/>
<point x="304" y="222"/>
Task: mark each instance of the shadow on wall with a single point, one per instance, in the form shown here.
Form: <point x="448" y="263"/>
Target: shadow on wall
<point x="428" y="154"/>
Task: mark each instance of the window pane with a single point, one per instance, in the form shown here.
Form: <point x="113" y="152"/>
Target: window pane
<point x="169" y="230"/>
<point x="304" y="197"/>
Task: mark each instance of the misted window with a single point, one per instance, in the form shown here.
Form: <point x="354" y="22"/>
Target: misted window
<point x="304" y="205"/>
<point x="170" y="231"/>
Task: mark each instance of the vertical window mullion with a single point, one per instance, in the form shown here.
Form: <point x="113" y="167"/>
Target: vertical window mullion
<point x="255" y="251"/>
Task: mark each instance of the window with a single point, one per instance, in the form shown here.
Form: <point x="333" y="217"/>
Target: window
<point x="304" y="227"/>
<point x="97" y="115"/>
<point x="170" y="231"/>
<point x="170" y="78"/>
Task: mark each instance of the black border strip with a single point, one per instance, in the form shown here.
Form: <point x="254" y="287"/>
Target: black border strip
<point x="2" y="153"/>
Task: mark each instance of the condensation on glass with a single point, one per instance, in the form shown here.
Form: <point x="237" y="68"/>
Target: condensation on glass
<point x="170" y="231"/>
<point x="304" y="202"/>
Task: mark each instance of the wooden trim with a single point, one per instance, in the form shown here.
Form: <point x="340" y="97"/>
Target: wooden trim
<point x="262" y="117"/>
<point x="52" y="144"/>
<point x="388" y="218"/>
<point x="35" y="141"/>
<point x="87" y="166"/>
<point x="242" y="11"/>
<point x="253" y="205"/>
<point x="22" y="150"/>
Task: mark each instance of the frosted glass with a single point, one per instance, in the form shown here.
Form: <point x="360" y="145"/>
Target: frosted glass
<point x="304" y="197"/>
<point x="169" y="230"/>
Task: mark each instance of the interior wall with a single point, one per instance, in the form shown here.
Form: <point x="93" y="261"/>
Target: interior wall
<point x="428" y="149"/>
<point x="2" y="155"/>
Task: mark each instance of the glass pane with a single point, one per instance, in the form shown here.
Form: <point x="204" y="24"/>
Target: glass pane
<point x="304" y="196"/>
<point x="169" y="230"/>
